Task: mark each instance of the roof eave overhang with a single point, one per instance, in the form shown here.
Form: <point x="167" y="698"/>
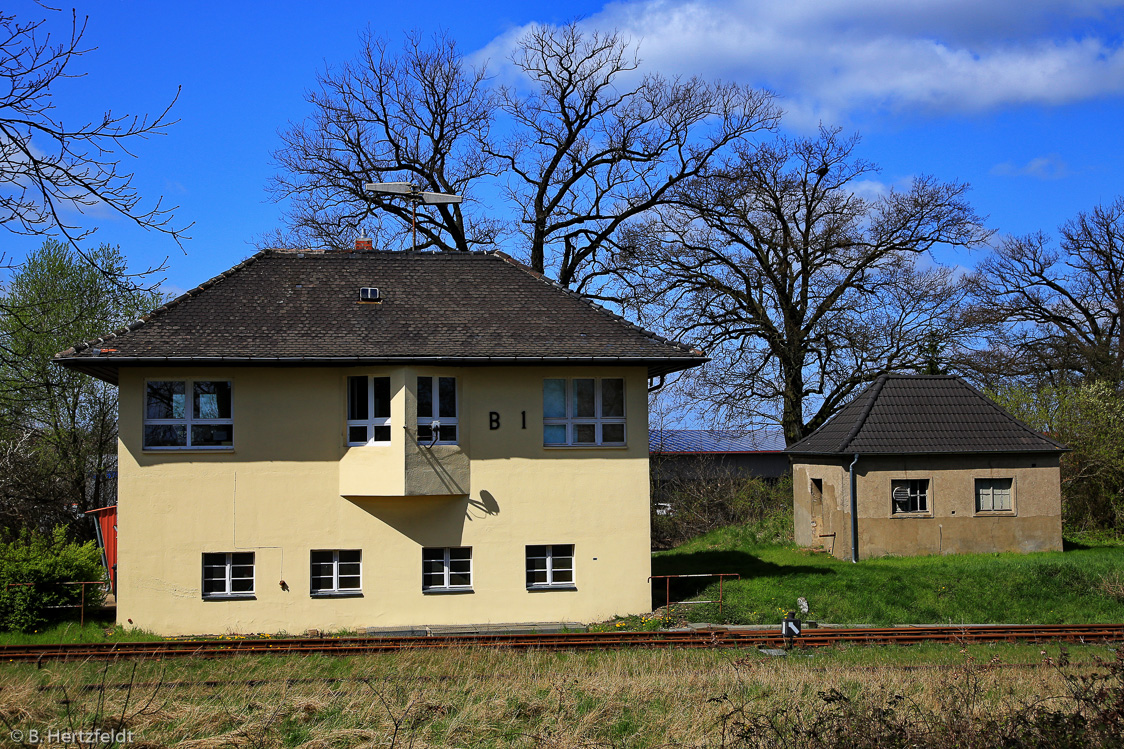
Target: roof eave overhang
<point x="716" y="452"/>
<point x="861" y="454"/>
<point x="106" y="368"/>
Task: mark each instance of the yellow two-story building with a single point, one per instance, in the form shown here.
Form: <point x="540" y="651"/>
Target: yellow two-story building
<point x="346" y="440"/>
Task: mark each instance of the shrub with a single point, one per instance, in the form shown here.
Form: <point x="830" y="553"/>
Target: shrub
<point x="48" y="562"/>
<point x="1091" y="714"/>
<point x="1089" y="418"/>
<point x="690" y="503"/>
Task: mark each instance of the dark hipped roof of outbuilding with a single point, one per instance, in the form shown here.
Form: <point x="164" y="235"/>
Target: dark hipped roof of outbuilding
<point x="919" y="414"/>
<point x="291" y="307"/>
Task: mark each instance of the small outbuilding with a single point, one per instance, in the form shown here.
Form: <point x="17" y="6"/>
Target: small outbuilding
<point x="926" y="465"/>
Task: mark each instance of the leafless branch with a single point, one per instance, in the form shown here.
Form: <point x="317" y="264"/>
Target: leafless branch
<point x="416" y="116"/>
<point x="593" y="144"/>
<point x="52" y="172"/>
<point x="1058" y="310"/>
<point x="800" y="290"/>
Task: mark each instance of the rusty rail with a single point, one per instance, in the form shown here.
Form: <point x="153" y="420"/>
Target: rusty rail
<point x="667" y="591"/>
<point x="718" y="637"/>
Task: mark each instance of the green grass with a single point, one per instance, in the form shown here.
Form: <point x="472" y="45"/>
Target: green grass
<point x="1082" y="585"/>
<point x="94" y="630"/>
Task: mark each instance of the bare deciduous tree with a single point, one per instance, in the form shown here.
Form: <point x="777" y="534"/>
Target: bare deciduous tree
<point x="593" y="144"/>
<point x="417" y="116"/>
<point x="1058" y="309"/>
<point x="799" y="289"/>
<point x="50" y="170"/>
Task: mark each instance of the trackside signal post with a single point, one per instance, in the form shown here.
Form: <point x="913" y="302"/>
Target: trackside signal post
<point x="790" y="628"/>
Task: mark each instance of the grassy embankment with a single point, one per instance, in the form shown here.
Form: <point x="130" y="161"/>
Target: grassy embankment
<point x="1083" y="584"/>
<point x="487" y="698"/>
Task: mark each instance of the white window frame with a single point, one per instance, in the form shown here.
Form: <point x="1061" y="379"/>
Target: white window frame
<point x="371" y="421"/>
<point x="447" y="587"/>
<point x="599" y="421"/>
<point x="894" y="511"/>
<point x="550" y="583"/>
<point x="229" y="556"/>
<point x="188" y="420"/>
<point x="445" y="420"/>
<point x="335" y="591"/>
<point x="1010" y="510"/>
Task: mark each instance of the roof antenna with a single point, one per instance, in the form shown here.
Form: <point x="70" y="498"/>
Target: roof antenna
<point x="410" y="192"/>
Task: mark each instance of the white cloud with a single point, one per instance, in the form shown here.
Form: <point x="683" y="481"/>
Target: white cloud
<point x="1042" y="167"/>
<point x="873" y="189"/>
<point x="833" y="58"/>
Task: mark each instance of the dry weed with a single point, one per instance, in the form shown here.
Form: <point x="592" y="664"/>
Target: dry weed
<point x="487" y="698"/>
<point x="1112" y="585"/>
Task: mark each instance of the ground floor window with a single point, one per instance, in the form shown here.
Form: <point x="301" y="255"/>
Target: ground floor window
<point x="336" y="572"/>
<point x="228" y="575"/>
<point x="550" y="566"/>
<point x="447" y="569"/>
<point x="910" y="495"/>
<point x="993" y="495"/>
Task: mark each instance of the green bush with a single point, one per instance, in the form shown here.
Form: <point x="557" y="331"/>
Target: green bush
<point x="1089" y="419"/>
<point x="48" y="562"/>
<point x="687" y="504"/>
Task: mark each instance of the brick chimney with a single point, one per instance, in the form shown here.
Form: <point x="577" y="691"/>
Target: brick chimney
<point x="364" y="243"/>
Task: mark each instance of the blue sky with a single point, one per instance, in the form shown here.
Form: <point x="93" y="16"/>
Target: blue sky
<point x="1024" y="100"/>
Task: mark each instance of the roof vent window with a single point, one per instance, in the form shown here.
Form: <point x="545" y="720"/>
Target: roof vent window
<point x="369" y="295"/>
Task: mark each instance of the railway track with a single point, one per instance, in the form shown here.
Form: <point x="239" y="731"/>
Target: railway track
<point x="712" y="638"/>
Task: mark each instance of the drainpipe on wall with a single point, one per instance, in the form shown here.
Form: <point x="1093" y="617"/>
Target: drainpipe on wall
<point x="854" y="514"/>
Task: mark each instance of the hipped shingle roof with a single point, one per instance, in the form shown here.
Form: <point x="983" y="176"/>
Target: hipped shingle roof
<point x="918" y="414"/>
<point x="302" y="307"/>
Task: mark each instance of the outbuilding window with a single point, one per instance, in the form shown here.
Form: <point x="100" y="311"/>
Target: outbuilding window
<point x="910" y="496"/>
<point x="188" y="414"/>
<point x="993" y="495"/>
<point x="583" y="411"/>
<point x="437" y="401"/>
<point x="336" y="572"/>
<point x="368" y="410"/>
<point x="228" y="575"/>
<point x="447" y="569"/>
<point x="550" y="566"/>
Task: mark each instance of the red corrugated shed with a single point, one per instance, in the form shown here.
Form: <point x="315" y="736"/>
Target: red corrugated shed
<point x="107" y="534"/>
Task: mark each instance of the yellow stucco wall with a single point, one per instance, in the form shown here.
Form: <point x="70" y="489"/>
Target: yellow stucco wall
<point x="952" y="525"/>
<point x="291" y="485"/>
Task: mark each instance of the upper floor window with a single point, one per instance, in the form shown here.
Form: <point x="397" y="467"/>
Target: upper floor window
<point x="910" y="495"/>
<point x="368" y="410"/>
<point x="437" y="401"/>
<point x="172" y="420"/>
<point x="583" y="411"/>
